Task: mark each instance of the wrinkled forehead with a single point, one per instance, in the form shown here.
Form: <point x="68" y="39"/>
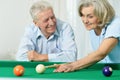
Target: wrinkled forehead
<point x="89" y="9"/>
<point x="45" y="14"/>
<point x="86" y="9"/>
<point x="85" y="5"/>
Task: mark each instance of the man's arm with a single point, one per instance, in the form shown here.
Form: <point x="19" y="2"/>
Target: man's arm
<point x="26" y="45"/>
<point x="34" y="56"/>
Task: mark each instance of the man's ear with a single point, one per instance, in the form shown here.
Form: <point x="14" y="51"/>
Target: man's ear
<point x="35" y="22"/>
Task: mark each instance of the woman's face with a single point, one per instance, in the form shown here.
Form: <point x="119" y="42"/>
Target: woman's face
<point x="89" y="19"/>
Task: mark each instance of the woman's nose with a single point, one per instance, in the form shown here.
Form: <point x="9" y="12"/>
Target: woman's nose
<point x="85" y="20"/>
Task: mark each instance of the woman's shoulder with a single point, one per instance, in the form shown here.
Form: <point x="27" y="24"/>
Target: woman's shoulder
<point x="113" y="29"/>
<point x="116" y="19"/>
<point x="115" y="22"/>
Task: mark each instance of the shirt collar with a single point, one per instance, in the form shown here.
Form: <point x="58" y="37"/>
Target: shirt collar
<point x="40" y="34"/>
<point x="104" y="30"/>
<point x="56" y="33"/>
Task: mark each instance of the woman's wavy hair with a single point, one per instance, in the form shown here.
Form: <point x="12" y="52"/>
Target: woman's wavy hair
<point x="102" y="9"/>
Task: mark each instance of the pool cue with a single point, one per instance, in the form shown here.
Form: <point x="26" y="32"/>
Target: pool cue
<point x="52" y="66"/>
<point x="55" y="65"/>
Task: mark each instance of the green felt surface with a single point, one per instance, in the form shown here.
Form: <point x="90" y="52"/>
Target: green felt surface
<point x="91" y="73"/>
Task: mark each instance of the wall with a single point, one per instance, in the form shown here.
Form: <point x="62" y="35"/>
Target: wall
<point x="13" y="17"/>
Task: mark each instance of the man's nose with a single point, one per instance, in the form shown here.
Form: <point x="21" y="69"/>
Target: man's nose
<point x="51" y="22"/>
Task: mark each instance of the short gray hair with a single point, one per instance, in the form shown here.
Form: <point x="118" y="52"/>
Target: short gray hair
<point x="102" y="9"/>
<point x="38" y="7"/>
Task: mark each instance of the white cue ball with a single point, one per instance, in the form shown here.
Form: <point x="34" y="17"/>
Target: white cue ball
<point x="40" y="68"/>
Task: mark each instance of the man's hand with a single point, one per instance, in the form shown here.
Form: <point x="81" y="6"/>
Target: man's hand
<point x="34" y="56"/>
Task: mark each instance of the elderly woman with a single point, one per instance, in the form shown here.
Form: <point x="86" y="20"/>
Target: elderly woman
<point x="99" y="18"/>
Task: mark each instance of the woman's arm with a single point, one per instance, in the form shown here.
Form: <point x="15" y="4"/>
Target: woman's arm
<point x="106" y="46"/>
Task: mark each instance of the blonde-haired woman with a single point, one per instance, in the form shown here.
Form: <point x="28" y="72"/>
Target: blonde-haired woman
<point x="99" y="18"/>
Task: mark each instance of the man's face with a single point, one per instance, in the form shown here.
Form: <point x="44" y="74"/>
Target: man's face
<point x="46" y="22"/>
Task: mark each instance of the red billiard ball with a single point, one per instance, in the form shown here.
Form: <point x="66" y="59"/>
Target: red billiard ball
<point x="18" y="70"/>
<point x="107" y="71"/>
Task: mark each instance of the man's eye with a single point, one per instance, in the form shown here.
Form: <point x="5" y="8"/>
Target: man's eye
<point x="52" y="17"/>
<point x="45" y="20"/>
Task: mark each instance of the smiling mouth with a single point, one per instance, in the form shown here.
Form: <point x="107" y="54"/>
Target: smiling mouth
<point x="51" y="28"/>
<point x="88" y="24"/>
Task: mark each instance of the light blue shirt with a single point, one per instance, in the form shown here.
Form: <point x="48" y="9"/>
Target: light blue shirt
<point x="60" y="46"/>
<point x="110" y="30"/>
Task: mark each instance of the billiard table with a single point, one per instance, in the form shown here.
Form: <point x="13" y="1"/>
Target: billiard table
<point x="93" y="72"/>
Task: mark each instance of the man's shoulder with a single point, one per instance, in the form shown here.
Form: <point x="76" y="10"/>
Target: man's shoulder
<point x="31" y="27"/>
<point x="62" y="24"/>
<point x="31" y="30"/>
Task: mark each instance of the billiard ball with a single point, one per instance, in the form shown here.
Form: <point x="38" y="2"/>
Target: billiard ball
<point x="18" y="70"/>
<point x="107" y="71"/>
<point x="40" y="68"/>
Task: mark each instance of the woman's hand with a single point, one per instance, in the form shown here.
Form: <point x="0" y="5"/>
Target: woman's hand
<point x="65" y="68"/>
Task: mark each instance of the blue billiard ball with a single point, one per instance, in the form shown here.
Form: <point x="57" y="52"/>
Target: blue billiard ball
<point x="107" y="71"/>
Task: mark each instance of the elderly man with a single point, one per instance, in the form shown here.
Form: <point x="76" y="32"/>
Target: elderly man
<point x="47" y="38"/>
